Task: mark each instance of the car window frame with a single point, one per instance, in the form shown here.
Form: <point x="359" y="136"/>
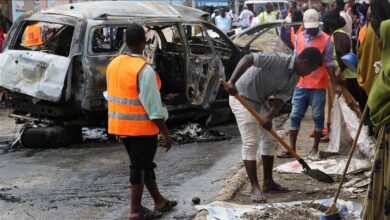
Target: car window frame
<point x="91" y="30"/>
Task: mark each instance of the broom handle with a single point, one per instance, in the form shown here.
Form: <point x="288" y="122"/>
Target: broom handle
<point x="261" y="120"/>
<point x="351" y="154"/>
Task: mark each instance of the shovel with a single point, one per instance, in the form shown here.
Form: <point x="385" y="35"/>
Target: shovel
<point x="316" y="174"/>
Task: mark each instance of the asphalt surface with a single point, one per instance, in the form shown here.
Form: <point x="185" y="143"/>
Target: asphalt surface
<point x="91" y="180"/>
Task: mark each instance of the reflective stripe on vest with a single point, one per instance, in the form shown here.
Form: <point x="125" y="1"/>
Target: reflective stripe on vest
<point x="131" y="117"/>
<point x="347" y="73"/>
<point x="124" y="101"/>
<point x="32" y="35"/>
<point x="126" y="115"/>
<point x="319" y="78"/>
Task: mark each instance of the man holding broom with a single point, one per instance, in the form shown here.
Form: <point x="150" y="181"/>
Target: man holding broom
<point x="265" y="81"/>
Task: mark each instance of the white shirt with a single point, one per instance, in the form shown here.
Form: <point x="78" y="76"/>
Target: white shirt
<point x="245" y="18"/>
<point x="348" y="20"/>
<point x="223" y="23"/>
<point x="255" y="21"/>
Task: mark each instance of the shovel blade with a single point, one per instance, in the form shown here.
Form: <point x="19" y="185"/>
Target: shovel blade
<point x="319" y="175"/>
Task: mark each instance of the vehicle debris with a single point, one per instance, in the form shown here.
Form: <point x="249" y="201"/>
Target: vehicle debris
<point x="193" y="132"/>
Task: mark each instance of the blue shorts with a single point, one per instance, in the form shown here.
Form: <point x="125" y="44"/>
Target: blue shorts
<point x="302" y="98"/>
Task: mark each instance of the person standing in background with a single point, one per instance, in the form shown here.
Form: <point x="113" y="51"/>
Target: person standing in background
<point x="5" y="23"/>
<point x="311" y="90"/>
<point x="256" y="19"/>
<point x="245" y="18"/>
<point x="223" y="22"/>
<point x="338" y="6"/>
<point x="269" y="14"/>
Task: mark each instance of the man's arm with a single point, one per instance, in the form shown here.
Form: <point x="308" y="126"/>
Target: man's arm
<point x="151" y="101"/>
<point x="329" y="63"/>
<point x="242" y="66"/>
<point x="164" y="131"/>
<point x="276" y="106"/>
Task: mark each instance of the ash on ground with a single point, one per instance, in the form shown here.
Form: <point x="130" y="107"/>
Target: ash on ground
<point x="194" y="132"/>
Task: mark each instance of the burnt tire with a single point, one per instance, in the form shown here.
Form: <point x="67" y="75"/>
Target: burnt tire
<point x="51" y="137"/>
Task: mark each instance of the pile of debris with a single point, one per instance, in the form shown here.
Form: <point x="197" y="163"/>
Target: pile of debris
<point x="291" y="213"/>
<point x="193" y="132"/>
<point x="311" y="211"/>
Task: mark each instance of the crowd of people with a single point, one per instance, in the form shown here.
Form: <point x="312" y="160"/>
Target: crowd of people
<point x="348" y="28"/>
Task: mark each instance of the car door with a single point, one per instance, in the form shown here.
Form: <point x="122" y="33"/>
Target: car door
<point x="263" y="38"/>
<point x="39" y="68"/>
<point x="205" y="67"/>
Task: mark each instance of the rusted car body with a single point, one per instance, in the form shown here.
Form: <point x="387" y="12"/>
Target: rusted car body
<point x="60" y="81"/>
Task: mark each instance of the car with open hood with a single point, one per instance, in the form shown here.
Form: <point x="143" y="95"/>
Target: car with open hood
<point x="53" y="65"/>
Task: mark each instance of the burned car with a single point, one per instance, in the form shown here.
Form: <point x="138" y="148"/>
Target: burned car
<point x="54" y="62"/>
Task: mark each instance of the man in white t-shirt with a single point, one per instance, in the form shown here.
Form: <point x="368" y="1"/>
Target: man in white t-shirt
<point x="338" y="6"/>
<point x="223" y="22"/>
<point x="245" y="17"/>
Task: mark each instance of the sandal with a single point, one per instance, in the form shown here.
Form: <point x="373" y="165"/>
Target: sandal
<point x="168" y="206"/>
<point x="284" y="154"/>
<point x="147" y="214"/>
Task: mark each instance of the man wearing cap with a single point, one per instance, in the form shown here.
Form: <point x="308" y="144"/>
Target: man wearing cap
<point x="311" y="90"/>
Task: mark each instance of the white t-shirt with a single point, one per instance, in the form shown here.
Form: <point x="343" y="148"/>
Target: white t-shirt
<point x="255" y="21"/>
<point x="348" y="20"/>
<point x="245" y="18"/>
<point x="223" y="23"/>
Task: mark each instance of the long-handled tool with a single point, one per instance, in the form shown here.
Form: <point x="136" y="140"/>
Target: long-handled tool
<point x="316" y="174"/>
<point x="333" y="213"/>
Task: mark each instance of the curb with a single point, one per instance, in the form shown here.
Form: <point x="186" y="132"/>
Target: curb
<point x="228" y="191"/>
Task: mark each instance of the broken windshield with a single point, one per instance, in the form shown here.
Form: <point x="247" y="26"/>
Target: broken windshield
<point x="47" y="37"/>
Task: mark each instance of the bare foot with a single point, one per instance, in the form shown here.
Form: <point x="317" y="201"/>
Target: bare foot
<point x="273" y="187"/>
<point x="258" y="197"/>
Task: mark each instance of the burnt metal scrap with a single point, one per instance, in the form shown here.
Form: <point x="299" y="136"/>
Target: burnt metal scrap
<point x="193" y="132"/>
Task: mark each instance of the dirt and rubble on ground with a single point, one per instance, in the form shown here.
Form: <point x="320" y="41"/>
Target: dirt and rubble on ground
<point x="277" y="213"/>
<point x="302" y="187"/>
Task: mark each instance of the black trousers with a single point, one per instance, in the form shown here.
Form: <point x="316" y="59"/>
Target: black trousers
<point x="141" y="151"/>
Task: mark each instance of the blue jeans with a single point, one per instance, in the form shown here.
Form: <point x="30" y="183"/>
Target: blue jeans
<point x="301" y="100"/>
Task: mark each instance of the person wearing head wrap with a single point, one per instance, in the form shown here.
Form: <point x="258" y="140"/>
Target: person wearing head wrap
<point x="381" y="12"/>
<point x="377" y="201"/>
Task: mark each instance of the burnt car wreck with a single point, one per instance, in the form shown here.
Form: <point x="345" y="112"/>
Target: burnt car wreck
<point x="55" y="82"/>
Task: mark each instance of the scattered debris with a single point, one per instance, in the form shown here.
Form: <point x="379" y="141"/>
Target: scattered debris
<point x="193" y="132"/>
<point x="291" y="213"/>
<point x="305" y="210"/>
<point x="96" y="134"/>
<point x="196" y="200"/>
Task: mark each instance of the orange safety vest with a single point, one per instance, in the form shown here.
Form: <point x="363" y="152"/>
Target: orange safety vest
<point x="319" y="78"/>
<point x="293" y="35"/>
<point x="126" y="115"/>
<point x="32" y="35"/>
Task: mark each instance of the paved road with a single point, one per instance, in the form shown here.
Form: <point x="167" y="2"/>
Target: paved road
<point x="90" y="181"/>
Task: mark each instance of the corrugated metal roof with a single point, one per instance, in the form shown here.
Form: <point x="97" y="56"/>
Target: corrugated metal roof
<point x="125" y="8"/>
